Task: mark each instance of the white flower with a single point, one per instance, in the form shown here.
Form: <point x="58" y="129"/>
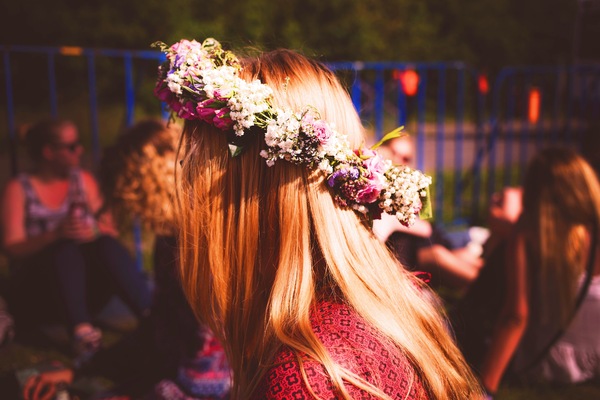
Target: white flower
<point x="174" y="87"/>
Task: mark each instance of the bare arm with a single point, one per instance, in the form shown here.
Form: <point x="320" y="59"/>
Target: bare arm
<point x="15" y="242"/>
<point x="505" y="209"/>
<point x="512" y="321"/>
<point x="388" y="224"/>
<point x="105" y="222"/>
<point x="444" y="262"/>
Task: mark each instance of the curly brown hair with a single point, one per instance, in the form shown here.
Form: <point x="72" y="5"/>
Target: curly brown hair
<point x="137" y="175"/>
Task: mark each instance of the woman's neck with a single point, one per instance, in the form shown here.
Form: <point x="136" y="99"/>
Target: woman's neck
<point x="47" y="173"/>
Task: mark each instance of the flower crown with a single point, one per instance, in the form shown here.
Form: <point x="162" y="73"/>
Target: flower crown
<point x="200" y="81"/>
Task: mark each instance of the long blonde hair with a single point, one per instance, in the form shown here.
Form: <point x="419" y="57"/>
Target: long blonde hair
<point x="260" y="246"/>
<point x="561" y="201"/>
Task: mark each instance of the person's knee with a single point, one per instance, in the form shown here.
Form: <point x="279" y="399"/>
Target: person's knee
<point x="109" y="246"/>
<point x="64" y="244"/>
<point x="106" y="240"/>
<point x="64" y="251"/>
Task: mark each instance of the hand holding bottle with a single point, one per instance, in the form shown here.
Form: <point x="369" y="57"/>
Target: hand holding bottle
<point x="77" y="226"/>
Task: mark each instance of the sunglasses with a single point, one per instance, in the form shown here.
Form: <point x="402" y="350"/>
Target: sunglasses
<point x="72" y="147"/>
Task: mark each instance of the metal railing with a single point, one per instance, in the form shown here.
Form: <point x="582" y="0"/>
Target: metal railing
<point x="468" y="133"/>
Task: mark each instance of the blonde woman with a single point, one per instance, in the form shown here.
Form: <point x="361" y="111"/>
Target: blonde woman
<point x="549" y="320"/>
<point x="275" y="253"/>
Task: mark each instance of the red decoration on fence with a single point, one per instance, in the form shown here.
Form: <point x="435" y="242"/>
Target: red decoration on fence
<point x="483" y="85"/>
<point x="409" y="80"/>
<point x="535" y="97"/>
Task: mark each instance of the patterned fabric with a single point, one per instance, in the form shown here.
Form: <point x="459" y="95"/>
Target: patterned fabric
<point x="39" y="218"/>
<point x="200" y="366"/>
<point x="353" y="344"/>
<point x="207" y="376"/>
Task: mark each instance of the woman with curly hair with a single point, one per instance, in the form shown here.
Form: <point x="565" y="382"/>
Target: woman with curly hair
<point x="138" y="175"/>
<point x="138" y="179"/>
<point x="276" y="252"/>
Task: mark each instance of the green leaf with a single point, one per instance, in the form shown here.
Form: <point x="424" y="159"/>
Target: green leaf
<point x="162" y="46"/>
<point x="396" y="133"/>
<point x="427" y="209"/>
<point x="235" y="150"/>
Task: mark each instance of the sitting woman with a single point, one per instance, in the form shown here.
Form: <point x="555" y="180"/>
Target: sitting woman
<point x="276" y="251"/>
<point x="66" y="260"/>
<point x="547" y="325"/>
<point x="452" y="258"/>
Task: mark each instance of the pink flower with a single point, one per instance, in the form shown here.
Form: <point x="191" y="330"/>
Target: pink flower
<point x="221" y="119"/>
<point x="321" y="130"/>
<point x="175" y="105"/>
<point x="187" y="110"/>
<point x="163" y="93"/>
<point x="373" y="161"/>
<point x="205" y="114"/>
<point x="368" y="194"/>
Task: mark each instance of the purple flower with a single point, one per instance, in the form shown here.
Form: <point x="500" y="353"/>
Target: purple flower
<point x="206" y="114"/>
<point x="340" y="173"/>
<point x="178" y="60"/>
<point x="175" y="105"/>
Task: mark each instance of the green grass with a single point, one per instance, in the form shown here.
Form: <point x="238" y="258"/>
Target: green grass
<point x="17" y="356"/>
<point x="588" y="391"/>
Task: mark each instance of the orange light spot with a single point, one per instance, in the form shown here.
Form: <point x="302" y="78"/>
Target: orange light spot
<point x="534" y="104"/>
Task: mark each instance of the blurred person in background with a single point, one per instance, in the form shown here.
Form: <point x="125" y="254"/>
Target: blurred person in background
<point x="453" y="258"/>
<point x="177" y="355"/>
<point x="550" y="312"/>
<point x="65" y="259"/>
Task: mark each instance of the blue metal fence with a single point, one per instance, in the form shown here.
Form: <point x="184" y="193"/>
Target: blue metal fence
<point x="465" y="137"/>
<point x="91" y="56"/>
<point x="472" y="141"/>
<point x="569" y="106"/>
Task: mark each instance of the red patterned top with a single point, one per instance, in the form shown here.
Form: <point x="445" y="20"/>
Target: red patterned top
<point x="353" y="344"/>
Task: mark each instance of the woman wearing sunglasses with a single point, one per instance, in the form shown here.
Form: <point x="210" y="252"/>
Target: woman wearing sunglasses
<point x="65" y="259"/>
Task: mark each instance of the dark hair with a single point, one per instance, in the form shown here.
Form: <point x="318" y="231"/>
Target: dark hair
<point x="129" y="142"/>
<point x="43" y="133"/>
<point x="141" y="133"/>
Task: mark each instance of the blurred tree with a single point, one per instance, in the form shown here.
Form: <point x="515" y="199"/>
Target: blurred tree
<point x="483" y="32"/>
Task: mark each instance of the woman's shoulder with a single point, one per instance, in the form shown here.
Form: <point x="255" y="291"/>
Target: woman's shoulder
<point x="13" y="188"/>
<point x="354" y="345"/>
<point x="87" y="179"/>
<point x="285" y="379"/>
<point x="86" y="176"/>
<point x="337" y="325"/>
<point x="357" y="345"/>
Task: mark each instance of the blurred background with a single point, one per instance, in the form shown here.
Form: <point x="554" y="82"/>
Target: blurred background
<point x="481" y="85"/>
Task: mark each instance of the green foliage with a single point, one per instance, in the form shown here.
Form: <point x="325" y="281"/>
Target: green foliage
<point x="486" y="33"/>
